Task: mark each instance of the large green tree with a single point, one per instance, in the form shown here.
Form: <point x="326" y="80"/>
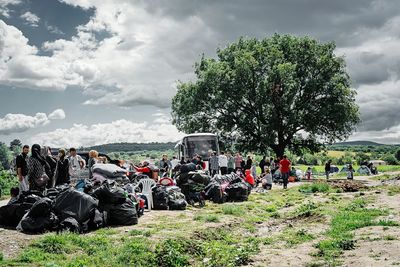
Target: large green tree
<point x="279" y="92"/>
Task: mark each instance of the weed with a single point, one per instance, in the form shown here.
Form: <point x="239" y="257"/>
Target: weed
<point x="314" y="188"/>
<point x="172" y="252"/>
<point x="232" y="209"/>
<point x="389" y="237"/>
<point x="306" y="210"/>
<point x="136" y="252"/>
<point x="206" y="217"/>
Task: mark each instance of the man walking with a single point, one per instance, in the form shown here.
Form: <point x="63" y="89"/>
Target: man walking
<point x="223" y="163"/>
<point x="22" y="169"/>
<point x="285" y="170"/>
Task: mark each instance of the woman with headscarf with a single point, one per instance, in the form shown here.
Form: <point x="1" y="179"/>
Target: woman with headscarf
<point x="37" y="170"/>
<point x="62" y="169"/>
<point x="45" y="152"/>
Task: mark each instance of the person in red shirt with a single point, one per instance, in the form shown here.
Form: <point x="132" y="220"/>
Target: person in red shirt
<point x="285" y="170"/>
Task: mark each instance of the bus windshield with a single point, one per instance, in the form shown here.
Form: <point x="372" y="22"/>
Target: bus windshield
<point x="201" y="146"/>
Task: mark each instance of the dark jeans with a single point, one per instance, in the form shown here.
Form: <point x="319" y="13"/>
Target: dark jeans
<point x="285" y="178"/>
<point x="224" y="170"/>
<point x="213" y="172"/>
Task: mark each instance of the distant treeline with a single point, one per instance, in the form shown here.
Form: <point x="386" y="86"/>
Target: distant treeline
<point x="132" y="147"/>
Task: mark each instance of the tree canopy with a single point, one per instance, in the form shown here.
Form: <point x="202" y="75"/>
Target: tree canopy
<point x="279" y="92"/>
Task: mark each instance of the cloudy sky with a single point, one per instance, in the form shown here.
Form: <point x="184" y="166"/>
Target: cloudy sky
<point x="85" y="72"/>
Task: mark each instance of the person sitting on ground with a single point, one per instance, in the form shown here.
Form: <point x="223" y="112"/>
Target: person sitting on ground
<point x="62" y="168"/>
<point x="37" y="170"/>
<point x="14" y="193"/>
<point x="266" y="181"/>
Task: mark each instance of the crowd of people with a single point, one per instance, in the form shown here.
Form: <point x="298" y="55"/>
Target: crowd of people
<point x="42" y="170"/>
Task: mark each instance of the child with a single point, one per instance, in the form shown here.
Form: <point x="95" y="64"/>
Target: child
<point x="267" y="180"/>
<point x="14" y="192"/>
<point x="308" y="173"/>
<point x="350" y="172"/>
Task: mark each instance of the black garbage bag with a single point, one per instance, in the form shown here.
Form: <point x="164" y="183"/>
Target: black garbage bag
<point x="177" y="204"/>
<point x="11" y="215"/>
<point x="51" y="193"/>
<point x="121" y="214"/>
<point x="238" y="191"/>
<point x="30" y="197"/>
<point x="35" y="225"/>
<point x="215" y="193"/>
<point x="69" y="224"/>
<point x="41" y="208"/>
<point x="98" y="220"/>
<point x="199" y="177"/>
<point x="185" y="168"/>
<point x="176" y="199"/>
<point x="182" y="178"/>
<point x="76" y="204"/>
<point x="109" y="194"/>
<point x="160" y="198"/>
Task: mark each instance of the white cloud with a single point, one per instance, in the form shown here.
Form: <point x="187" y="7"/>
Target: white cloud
<point x="132" y="65"/>
<point x="4" y="10"/>
<point x="30" y="19"/>
<point x="57" y="114"/>
<point x="17" y="123"/>
<point x="103" y="133"/>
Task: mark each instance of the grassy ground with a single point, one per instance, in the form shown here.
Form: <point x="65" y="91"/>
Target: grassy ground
<point x="312" y="224"/>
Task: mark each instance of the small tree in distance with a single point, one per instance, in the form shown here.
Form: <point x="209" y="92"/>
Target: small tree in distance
<point x="279" y="92"/>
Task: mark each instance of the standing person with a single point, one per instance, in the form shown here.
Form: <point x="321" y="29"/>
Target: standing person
<point x="214" y="164"/>
<point x="328" y="168"/>
<point x="262" y="164"/>
<point x="272" y="165"/>
<point x="231" y="163"/>
<point x="285" y="169"/>
<point x="62" y="168"/>
<point x="249" y="163"/>
<point x="223" y="163"/>
<point x="22" y="169"/>
<point x="76" y="163"/>
<point x="174" y="163"/>
<point x="182" y="161"/>
<point x="93" y="157"/>
<point x="37" y="169"/>
<point x="350" y="172"/>
<point x="164" y="165"/>
<point x="238" y="161"/>
<point x="46" y="154"/>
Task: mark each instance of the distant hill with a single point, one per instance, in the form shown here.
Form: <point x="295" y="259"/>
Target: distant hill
<point x="358" y="143"/>
<point x="131" y="147"/>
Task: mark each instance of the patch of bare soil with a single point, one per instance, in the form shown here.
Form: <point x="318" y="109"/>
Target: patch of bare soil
<point x="348" y="185"/>
<point x="13" y="241"/>
<point x="375" y="247"/>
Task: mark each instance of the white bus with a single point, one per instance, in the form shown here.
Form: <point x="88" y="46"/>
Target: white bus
<point x="197" y="143"/>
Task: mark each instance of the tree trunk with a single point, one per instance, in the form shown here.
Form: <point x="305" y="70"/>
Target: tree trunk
<point x="279" y="150"/>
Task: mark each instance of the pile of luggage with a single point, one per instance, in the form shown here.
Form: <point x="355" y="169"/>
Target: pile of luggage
<point x="229" y="187"/>
<point x="66" y="208"/>
<point x="168" y="198"/>
<point x="192" y="182"/>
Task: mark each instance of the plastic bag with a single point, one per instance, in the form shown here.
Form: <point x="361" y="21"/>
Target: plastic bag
<point x="72" y="203"/>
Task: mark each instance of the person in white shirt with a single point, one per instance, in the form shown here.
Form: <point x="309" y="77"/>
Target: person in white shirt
<point x="76" y="163"/>
<point x="174" y="162"/>
<point x="223" y="163"/>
